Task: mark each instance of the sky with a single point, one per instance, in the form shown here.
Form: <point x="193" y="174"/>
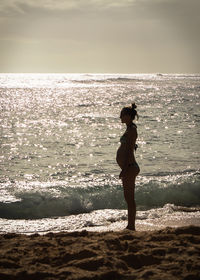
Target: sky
<point x="99" y="36"/>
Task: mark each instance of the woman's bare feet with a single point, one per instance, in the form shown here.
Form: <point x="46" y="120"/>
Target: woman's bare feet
<point x="130" y="227"/>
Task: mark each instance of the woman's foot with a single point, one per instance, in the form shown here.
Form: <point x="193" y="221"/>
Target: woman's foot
<point x="130" y="227"/>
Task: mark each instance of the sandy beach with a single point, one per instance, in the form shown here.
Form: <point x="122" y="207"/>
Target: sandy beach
<point x="170" y="253"/>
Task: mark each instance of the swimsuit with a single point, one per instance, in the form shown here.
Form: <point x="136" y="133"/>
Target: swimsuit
<point x="133" y="164"/>
<point x="123" y="138"/>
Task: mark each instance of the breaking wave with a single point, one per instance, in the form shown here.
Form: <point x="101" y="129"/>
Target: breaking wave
<point x="76" y="200"/>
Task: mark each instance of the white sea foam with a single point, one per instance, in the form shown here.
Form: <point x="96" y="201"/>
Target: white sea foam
<point x="105" y="220"/>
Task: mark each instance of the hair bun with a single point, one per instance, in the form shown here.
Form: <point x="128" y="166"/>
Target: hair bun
<point x="134" y="106"/>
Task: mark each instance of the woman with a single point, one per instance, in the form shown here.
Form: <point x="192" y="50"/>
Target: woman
<point x="126" y="160"/>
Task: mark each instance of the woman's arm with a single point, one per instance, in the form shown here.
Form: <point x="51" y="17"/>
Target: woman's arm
<point x="130" y="144"/>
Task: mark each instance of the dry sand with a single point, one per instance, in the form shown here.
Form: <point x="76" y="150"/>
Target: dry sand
<point x="170" y="253"/>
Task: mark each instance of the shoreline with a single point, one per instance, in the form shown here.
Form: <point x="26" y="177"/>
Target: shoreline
<point x="88" y="222"/>
<point x="169" y="253"/>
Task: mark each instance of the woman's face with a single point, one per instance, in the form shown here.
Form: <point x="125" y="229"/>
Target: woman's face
<point x="125" y="118"/>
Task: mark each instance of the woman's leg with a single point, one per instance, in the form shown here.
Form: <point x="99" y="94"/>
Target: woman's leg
<point x="129" y="195"/>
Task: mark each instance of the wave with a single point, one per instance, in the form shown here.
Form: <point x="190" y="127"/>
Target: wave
<point x="76" y="200"/>
<point x="88" y="79"/>
<point x="185" y="193"/>
<point x="107" y="80"/>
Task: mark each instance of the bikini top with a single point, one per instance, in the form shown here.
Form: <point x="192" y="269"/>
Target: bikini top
<point x="123" y="137"/>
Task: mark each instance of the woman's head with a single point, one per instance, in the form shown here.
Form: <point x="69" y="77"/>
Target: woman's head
<point x="128" y="113"/>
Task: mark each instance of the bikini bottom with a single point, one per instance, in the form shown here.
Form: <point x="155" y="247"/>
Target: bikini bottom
<point x="134" y="164"/>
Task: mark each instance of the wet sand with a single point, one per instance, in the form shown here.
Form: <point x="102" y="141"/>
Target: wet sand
<point x="169" y="253"/>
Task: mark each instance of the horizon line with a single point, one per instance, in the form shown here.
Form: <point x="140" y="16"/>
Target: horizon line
<point x="107" y="73"/>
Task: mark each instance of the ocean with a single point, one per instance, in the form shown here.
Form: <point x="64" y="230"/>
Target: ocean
<point x="59" y="136"/>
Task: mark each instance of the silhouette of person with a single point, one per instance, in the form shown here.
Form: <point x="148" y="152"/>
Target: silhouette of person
<point x="126" y="160"/>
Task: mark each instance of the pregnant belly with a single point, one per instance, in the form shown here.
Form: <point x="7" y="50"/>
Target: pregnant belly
<point x="120" y="156"/>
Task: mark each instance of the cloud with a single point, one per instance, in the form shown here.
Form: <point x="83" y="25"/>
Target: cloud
<point x="37" y="7"/>
<point x="132" y="32"/>
<point x="183" y="10"/>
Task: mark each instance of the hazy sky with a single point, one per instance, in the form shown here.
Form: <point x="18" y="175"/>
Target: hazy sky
<point x="112" y="36"/>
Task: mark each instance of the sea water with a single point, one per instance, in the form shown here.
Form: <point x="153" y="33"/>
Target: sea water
<point x="59" y="137"/>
